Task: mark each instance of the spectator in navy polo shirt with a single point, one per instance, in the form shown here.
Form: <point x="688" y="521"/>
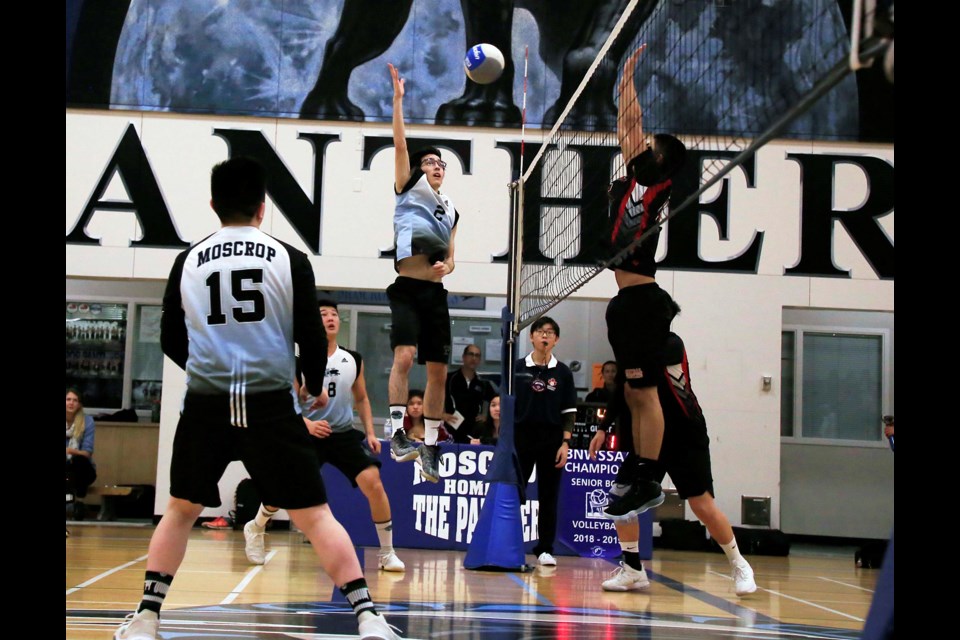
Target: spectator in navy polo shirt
<point x="545" y="411"/>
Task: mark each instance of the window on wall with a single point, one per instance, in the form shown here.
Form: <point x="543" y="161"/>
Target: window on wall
<point x="788" y="361"/>
<point x="833" y="384"/>
<point x="114" y="362"/>
<point x="147" y="360"/>
<point x="96" y="352"/>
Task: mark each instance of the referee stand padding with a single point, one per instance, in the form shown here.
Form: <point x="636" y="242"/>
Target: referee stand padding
<point x="497" y="543"/>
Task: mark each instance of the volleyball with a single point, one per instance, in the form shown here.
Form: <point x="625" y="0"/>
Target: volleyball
<point x="483" y="63"/>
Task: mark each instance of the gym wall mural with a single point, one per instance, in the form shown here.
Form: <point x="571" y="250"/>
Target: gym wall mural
<point x="326" y="59"/>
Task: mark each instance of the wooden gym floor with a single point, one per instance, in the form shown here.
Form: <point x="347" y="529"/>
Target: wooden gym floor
<point x="217" y="595"/>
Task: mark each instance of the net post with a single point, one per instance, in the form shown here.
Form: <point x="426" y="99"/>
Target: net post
<point x="861" y="28"/>
<point x="512" y="310"/>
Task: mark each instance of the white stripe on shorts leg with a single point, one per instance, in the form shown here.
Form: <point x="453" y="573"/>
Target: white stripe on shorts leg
<point x="238" y="404"/>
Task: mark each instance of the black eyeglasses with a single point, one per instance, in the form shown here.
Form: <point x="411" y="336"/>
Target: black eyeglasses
<point x="433" y="161"/>
<point x="545" y="332"/>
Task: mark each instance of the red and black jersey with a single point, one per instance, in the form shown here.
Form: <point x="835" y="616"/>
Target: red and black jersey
<point x="634" y="209"/>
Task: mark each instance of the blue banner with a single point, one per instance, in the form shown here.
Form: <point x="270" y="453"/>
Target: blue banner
<point x="443" y="515"/>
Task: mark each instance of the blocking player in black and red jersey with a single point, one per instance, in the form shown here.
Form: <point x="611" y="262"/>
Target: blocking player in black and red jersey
<point x="639" y="316"/>
<point x="685" y="455"/>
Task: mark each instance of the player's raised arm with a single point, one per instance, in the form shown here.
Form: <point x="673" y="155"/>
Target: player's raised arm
<point x="401" y="156"/>
<point x="629" y="113"/>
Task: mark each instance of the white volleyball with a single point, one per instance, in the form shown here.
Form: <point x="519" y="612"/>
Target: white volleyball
<point x="483" y="63"/>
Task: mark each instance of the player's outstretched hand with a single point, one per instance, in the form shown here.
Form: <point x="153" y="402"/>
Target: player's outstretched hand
<point x="626" y="78"/>
<point x="597" y="442"/>
<point x="397" y="82"/>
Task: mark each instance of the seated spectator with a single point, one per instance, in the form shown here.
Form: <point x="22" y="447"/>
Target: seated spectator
<point x="80" y="470"/>
<point x="413" y="423"/>
<point x="604" y="393"/>
<point x="467" y="397"/>
<point x="491" y="429"/>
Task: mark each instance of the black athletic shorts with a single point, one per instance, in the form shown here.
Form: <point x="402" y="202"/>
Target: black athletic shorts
<point x="420" y="318"/>
<point x="347" y="452"/>
<point x="685" y="455"/>
<point x="638" y="323"/>
<point x="275" y="448"/>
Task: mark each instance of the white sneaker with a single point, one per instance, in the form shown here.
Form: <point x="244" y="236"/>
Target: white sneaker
<point x="254" y="548"/>
<point x="546" y="560"/>
<point x="743" y="582"/>
<point x="375" y="627"/>
<point x="626" y="578"/>
<point x="139" y="626"/>
<point x="390" y="562"/>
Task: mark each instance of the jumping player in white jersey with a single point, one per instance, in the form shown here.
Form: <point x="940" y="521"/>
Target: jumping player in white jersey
<point x="235" y="304"/>
<point x="337" y="442"/>
<point x="424" y="225"/>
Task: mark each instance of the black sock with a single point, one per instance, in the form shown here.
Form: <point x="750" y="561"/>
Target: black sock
<point x="632" y="560"/>
<point x="358" y="596"/>
<point x="646" y="469"/>
<point x="155" y="586"/>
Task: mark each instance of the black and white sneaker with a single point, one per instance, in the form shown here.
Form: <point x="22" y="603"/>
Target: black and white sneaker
<point x="429" y="460"/>
<point x="642" y="496"/>
<point x="401" y="448"/>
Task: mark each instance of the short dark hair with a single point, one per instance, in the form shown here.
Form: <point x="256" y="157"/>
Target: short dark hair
<point x="542" y="320"/>
<point x="604" y="365"/>
<point x="467" y="348"/>
<point x="327" y="302"/>
<point x="414" y="393"/>
<point x="419" y="155"/>
<point x="673" y="151"/>
<point x="238" y="187"/>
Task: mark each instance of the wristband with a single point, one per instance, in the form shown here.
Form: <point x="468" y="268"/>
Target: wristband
<point x="568" y="442"/>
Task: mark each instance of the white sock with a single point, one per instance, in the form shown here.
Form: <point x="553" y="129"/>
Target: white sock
<point x="631" y="547"/>
<point x="385" y="533"/>
<point x="397" y="413"/>
<point x="431" y="430"/>
<point x="263" y="517"/>
<point x="733" y="553"/>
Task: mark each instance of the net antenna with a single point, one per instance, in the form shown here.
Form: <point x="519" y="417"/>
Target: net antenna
<point x="509" y="330"/>
<point x="726" y="77"/>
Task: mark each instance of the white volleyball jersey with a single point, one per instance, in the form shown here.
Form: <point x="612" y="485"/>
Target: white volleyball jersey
<point x="234" y="305"/>
<point x="343" y="367"/>
<point x="423" y="220"/>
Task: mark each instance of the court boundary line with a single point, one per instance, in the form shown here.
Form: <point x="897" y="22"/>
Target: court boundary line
<point x="237" y="590"/>
<point x="105" y="574"/>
